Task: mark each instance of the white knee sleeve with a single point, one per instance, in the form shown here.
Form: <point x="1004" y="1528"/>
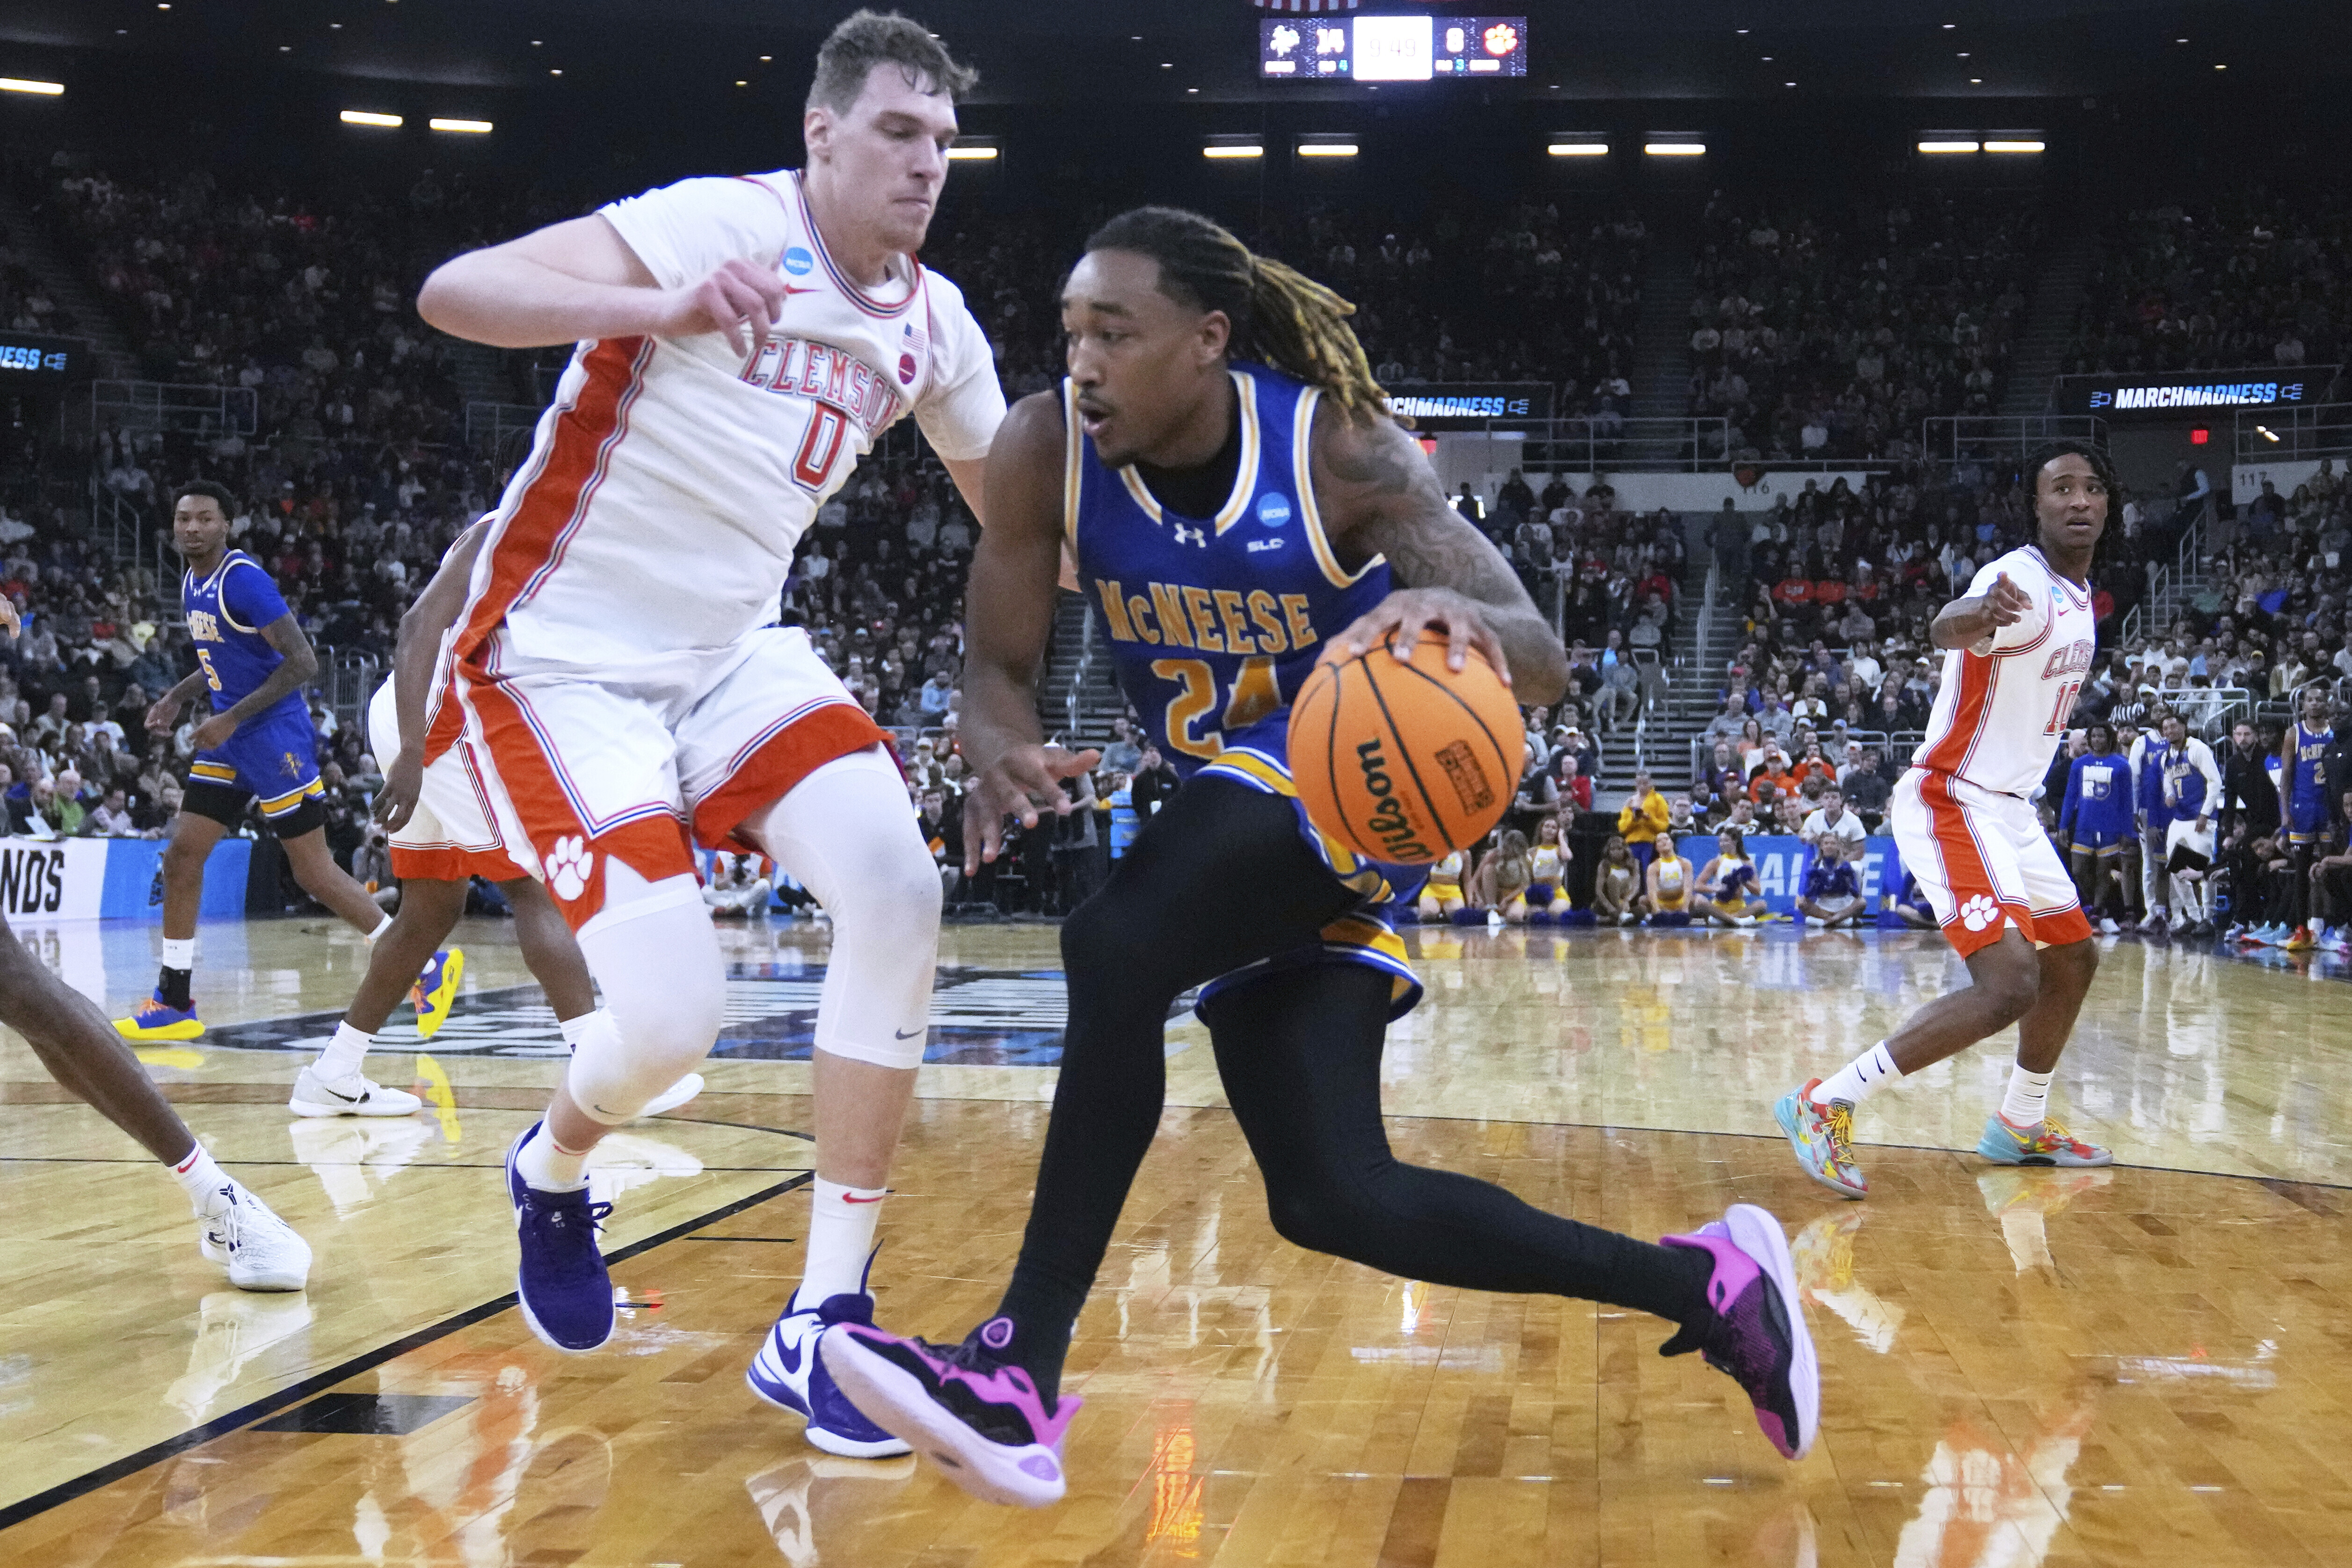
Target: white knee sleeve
<point x="847" y="833"/>
<point x="656" y="960"/>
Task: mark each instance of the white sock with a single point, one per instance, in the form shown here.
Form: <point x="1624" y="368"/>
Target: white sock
<point x="382" y="926"/>
<point x="199" y="1179"/>
<point x="2028" y="1100"/>
<point x="343" y="1055"/>
<point x="1859" y="1078"/>
<point x="841" y="1238"/>
<point x="549" y="1168"/>
<point x="574" y="1027"/>
<point x="180" y="953"/>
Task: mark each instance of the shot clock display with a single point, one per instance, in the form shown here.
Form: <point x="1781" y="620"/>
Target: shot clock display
<point x="1392" y="48"/>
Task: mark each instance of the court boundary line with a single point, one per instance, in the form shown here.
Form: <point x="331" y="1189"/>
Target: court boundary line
<point x="294" y="1394"/>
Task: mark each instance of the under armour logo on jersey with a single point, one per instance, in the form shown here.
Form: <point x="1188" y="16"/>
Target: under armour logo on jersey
<point x="1184" y="535"/>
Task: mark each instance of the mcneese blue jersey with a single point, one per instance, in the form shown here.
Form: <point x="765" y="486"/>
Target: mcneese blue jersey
<point x="226" y="612"/>
<point x="1214" y="623"/>
<point x="2306" y="770"/>
<point x="2097" y="810"/>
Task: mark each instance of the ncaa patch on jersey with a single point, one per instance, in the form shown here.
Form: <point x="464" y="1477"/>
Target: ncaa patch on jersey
<point x="1273" y="508"/>
<point x="798" y="261"/>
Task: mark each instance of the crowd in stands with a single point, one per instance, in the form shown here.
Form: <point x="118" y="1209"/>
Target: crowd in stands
<point x="2249" y="280"/>
<point x="1825" y="333"/>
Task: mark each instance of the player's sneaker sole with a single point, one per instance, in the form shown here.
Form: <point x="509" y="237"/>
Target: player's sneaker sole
<point x="1789" y="1113"/>
<point x="2001" y="1148"/>
<point x="179" y="1029"/>
<point x="899" y="1402"/>
<point x="1755" y="1233"/>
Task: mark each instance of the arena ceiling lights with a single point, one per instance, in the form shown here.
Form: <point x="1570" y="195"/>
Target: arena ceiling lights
<point x="465" y="127"/>
<point x="1674" y="145"/>
<point x="975" y="150"/>
<point x="39" y="88"/>
<point x="1935" y="142"/>
<point x="1326" y="144"/>
<point x="1234" y="147"/>
<point x="369" y="117"/>
<point x="1577" y="145"/>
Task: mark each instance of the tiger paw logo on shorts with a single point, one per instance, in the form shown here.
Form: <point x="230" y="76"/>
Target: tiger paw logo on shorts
<point x="568" y="865"/>
<point x="1980" y="912"/>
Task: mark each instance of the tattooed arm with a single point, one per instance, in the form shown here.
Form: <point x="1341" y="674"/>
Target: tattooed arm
<point x="1378" y="496"/>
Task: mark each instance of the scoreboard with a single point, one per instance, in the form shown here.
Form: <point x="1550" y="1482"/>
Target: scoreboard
<point x="1392" y="48"/>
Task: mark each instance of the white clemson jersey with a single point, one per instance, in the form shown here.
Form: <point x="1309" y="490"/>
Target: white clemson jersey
<point x="672" y="478"/>
<point x="1999" y="716"/>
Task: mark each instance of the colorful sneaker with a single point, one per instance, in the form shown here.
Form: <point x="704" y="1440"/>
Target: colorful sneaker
<point x="979" y="1419"/>
<point x="355" y="1095"/>
<point x="157" y="1019"/>
<point x="257" y="1249"/>
<point x="789" y="1374"/>
<point x="2299" y="940"/>
<point x="673" y="1096"/>
<point x="435" y="990"/>
<point x="2046" y="1143"/>
<point x="564" y="1290"/>
<point x="1755" y="1332"/>
<point x="1823" y="1136"/>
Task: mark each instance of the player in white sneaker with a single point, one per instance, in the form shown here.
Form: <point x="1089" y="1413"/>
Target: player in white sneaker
<point x="742" y="342"/>
<point x="442" y="837"/>
<point x="2017" y="649"/>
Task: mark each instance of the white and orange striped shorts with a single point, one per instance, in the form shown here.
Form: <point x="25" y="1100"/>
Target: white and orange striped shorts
<point x="1984" y="862"/>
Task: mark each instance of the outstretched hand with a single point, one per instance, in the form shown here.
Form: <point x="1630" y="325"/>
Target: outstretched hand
<point x="1023" y="783"/>
<point x="2007" y="601"/>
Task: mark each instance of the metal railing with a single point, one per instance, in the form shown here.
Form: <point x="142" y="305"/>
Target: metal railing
<point x="2293" y="435"/>
<point x="347" y="678"/>
<point x="489" y="425"/>
<point x="1619" y="447"/>
<point x="1954" y="438"/>
<point x="188" y="408"/>
<point x="2167" y="585"/>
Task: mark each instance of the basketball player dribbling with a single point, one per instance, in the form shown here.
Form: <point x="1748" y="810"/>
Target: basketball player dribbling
<point x="2016" y="649"/>
<point x="442" y="836"/>
<point x="620" y="674"/>
<point x="84" y="1053"/>
<point x="1218" y="405"/>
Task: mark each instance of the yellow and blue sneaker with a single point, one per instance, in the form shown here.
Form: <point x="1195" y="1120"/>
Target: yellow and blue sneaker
<point x="2046" y="1143"/>
<point x="157" y="1019"/>
<point x="1822" y="1137"/>
<point x="435" y="989"/>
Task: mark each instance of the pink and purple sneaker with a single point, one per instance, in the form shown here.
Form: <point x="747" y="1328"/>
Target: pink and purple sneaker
<point x="1757" y="1333"/>
<point x="979" y="1419"/>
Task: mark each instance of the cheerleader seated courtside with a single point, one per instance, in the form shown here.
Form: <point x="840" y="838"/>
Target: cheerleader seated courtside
<point x="1616" y="885"/>
<point x="1545" y="898"/>
<point x="1441" y="896"/>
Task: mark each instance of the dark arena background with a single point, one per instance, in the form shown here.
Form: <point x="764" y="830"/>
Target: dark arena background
<point x="1730" y="325"/>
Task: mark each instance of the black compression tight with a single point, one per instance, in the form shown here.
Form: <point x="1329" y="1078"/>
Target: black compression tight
<point x="1218" y="879"/>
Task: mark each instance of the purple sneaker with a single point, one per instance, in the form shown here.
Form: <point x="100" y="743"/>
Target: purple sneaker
<point x="561" y="1283"/>
<point x="789" y="1373"/>
<point x="979" y="1419"/>
<point x="1757" y="1334"/>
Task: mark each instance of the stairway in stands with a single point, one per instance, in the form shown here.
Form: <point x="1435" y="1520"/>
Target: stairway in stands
<point x="1073" y="674"/>
<point x="1702" y="643"/>
<point x="29" y="235"/>
<point x="1662" y="360"/>
<point x="2049" y="325"/>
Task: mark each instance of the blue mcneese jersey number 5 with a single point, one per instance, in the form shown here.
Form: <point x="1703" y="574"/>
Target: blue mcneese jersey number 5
<point x="1214" y="623"/>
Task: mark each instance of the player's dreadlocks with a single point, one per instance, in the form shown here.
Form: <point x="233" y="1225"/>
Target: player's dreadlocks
<point x="1279" y="315"/>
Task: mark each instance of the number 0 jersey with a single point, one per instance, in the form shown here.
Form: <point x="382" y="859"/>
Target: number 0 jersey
<point x="672" y="478"/>
<point x="1999" y="716"/>
<point x="1215" y="621"/>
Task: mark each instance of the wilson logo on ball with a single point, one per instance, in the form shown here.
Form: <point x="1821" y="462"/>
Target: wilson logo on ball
<point x="1399" y="838"/>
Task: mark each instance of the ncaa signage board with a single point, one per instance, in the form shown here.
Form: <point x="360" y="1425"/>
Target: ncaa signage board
<point x="2137" y="397"/>
<point x="1458" y="406"/>
<point x="30" y="361"/>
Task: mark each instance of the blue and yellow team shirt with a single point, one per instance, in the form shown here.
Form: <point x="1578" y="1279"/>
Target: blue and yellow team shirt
<point x="2307" y="768"/>
<point x="226" y="611"/>
<point x="1214" y="623"/>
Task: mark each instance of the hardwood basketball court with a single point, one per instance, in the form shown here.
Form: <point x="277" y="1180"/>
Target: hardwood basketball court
<point x="2137" y="1366"/>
